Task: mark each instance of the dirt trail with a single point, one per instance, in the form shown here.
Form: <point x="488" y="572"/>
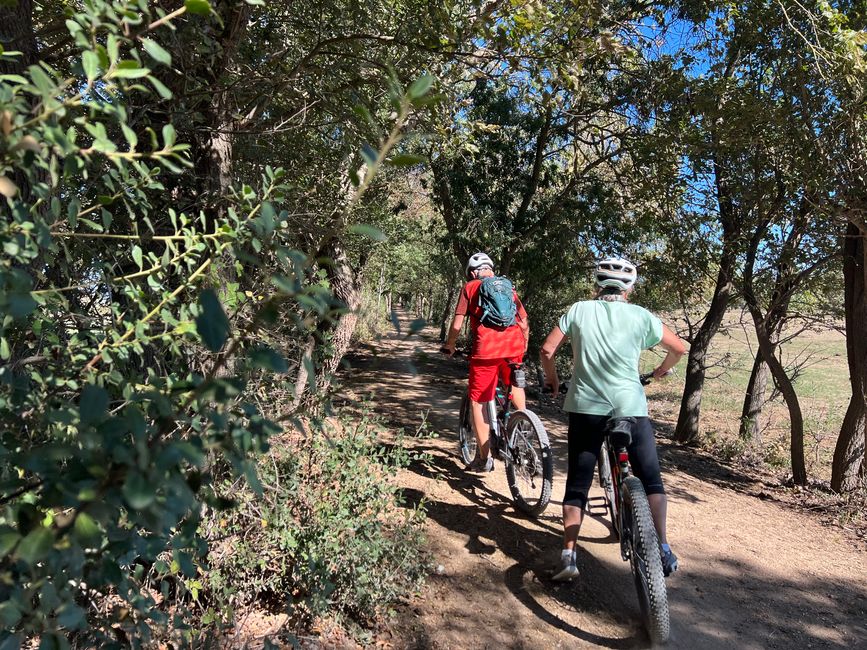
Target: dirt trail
<point x="754" y="573"/>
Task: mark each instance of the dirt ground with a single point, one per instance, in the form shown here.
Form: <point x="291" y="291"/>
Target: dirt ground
<point x="754" y="573"/>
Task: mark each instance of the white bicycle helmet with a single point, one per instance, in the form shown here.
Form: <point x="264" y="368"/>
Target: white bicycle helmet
<point x="478" y="260"/>
<point x="616" y="272"/>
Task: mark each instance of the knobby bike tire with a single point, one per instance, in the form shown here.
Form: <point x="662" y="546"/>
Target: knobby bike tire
<point x="606" y="482"/>
<point x="533" y="460"/>
<point x="467" y="445"/>
<point x="646" y="562"/>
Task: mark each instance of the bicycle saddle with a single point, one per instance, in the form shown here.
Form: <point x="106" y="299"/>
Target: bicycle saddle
<point x="620" y="432"/>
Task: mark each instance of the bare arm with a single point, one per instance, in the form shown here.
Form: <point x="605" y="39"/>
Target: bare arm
<point x="676" y="349"/>
<point x="454" y="332"/>
<point x="552" y="342"/>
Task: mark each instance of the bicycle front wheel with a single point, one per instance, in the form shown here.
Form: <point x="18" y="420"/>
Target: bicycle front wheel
<point x="467" y="445"/>
<point x="646" y="562"/>
<point x="606" y="481"/>
<point x="531" y="471"/>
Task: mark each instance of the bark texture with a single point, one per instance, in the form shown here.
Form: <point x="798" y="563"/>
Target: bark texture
<point x="687" y="428"/>
<point x="16" y="34"/>
<point x="849" y="454"/>
<point x="754" y="401"/>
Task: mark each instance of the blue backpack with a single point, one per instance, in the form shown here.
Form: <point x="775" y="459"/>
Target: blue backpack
<point x="497" y="302"/>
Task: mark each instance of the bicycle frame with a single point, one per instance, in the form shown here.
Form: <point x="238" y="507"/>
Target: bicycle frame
<point x="620" y="469"/>
<point x="497" y="411"/>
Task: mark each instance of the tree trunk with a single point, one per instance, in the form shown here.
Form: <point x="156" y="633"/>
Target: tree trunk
<point x="447" y="311"/>
<point x="754" y="401"/>
<point x="16" y="34"/>
<point x="849" y="454"/>
<point x="766" y="327"/>
<point x="379" y="291"/>
<point x="687" y="427"/>
<point x="346" y="287"/>
<point x="216" y="151"/>
<point x="784" y="385"/>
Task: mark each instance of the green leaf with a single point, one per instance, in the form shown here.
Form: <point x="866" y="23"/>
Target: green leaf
<point x="200" y="7"/>
<point x="9" y="614"/>
<point x="137" y="256"/>
<point x="420" y="86"/>
<point x="113" y="46"/>
<point x="93" y="404"/>
<point x="130" y="136"/>
<point x="36" y="545"/>
<point x="90" y="64"/>
<point x="212" y="323"/>
<point x="129" y="69"/>
<point x="8" y="540"/>
<point x="268" y="217"/>
<point x="71" y="616"/>
<point x="139" y="494"/>
<point x="42" y="81"/>
<point x="86" y="530"/>
<point x="9" y="641"/>
<point x="21" y="304"/>
<point x="156" y="51"/>
<point x="367" y="231"/>
<point x="169" y="135"/>
<point x="53" y="641"/>
<point x="160" y="87"/>
<point x="265" y="357"/>
<point x="406" y="160"/>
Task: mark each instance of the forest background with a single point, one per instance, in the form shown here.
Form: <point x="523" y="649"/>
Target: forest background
<point x="205" y="203"/>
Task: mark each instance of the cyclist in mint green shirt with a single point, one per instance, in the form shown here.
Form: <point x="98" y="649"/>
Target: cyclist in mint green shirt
<point x="608" y="335"/>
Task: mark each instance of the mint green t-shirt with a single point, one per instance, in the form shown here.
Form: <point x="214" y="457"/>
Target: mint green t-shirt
<point x="607" y="340"/>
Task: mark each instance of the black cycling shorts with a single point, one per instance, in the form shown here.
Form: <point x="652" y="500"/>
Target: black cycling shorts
<point x="586" y="433"/>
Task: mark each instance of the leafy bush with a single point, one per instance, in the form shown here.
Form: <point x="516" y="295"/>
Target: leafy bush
<point x="328" y="533"/>
<point x="125" y="382"/>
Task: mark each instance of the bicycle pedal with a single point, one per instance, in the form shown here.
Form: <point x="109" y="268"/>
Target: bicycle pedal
<point x="597" y="506"/>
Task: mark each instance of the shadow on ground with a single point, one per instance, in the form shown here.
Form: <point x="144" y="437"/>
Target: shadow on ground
<point x="724" y="604"/>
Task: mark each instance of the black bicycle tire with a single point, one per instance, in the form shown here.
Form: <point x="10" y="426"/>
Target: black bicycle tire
<point x="606" y="481"/>
<point x="652" y="595"/>
<point x="466" y="437"/>
<point x="547" y="460"/>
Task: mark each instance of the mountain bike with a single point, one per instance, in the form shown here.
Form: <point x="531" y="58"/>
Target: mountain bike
<point x="633" y="525"/>
<point x="518" y="438"/>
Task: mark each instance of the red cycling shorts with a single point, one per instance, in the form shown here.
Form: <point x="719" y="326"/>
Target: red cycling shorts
<point x="483" y="377"/>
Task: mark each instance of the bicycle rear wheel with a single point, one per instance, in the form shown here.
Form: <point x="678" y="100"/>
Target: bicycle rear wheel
<point x="646" y="561"/>
<point x="531" y="472"/>
<point x="467" y="445"/>
<point x="606" y="481"/>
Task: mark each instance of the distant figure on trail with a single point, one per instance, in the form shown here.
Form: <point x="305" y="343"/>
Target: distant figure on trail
<point x="608" y="335"/>
<point x="500" y="333"/>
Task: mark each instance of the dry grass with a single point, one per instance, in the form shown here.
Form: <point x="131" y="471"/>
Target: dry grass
<point x="822" y="386"/>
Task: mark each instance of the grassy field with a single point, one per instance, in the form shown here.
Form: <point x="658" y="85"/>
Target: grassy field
<point x="822" y="387"/>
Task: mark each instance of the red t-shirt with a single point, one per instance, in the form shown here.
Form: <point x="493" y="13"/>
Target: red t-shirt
<point x="489" y="342"/>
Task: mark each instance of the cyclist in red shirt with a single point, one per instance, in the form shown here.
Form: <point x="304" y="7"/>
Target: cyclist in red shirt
<point x="493" y="349"/>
